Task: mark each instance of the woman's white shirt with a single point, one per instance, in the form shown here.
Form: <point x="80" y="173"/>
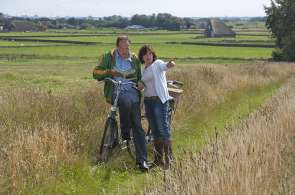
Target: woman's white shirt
<point x="154" y="77"/>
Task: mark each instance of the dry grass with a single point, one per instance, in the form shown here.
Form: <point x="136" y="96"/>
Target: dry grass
<point x="41" y="131"/>
<point x="37" y="156"/>
<point x="206" y="85"/>
<point x="250" y="159"/>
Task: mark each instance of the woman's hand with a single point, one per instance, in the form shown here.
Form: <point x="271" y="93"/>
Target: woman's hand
<point x="170" y="64"/>
<point x="140" y="85"/>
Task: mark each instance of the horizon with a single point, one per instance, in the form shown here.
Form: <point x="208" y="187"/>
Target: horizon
<point x="196" y="17"/>
<point x="128" y="8"/>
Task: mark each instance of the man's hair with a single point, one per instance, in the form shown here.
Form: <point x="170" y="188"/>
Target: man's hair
<point x="143" y="51"/>
<point x="122" y="38"/>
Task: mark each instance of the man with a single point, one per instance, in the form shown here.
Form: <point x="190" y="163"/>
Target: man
<point x="121" y="64"/>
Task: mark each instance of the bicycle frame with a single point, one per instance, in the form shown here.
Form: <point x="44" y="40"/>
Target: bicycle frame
<point x="114" y="106"/>
<point x="113" y="116"/>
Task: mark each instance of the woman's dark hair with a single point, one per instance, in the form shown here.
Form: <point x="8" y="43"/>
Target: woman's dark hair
<point x="143" y="51"/>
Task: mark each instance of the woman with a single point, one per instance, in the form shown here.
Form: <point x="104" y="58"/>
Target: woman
<point x="156" y="103"/>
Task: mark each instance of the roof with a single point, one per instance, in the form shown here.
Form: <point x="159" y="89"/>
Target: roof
<point x="24" y="26"/>
<point x="135" y="27"/>
<point x="219" y="28"/>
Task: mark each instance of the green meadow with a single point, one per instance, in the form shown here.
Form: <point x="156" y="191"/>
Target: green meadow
<point x="59" y="65"/>
<point x="52" y="112"/>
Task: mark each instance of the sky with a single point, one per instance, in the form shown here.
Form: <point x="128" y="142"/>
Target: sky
<point x="127" y="8"/>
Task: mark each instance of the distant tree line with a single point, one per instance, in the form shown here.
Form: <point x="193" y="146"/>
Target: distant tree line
<point x="162" y="20"/>
<point x="159" y="21"/>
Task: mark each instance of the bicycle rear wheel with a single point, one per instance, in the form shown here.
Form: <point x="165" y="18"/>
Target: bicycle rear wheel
<point x="131" y="145"/>
<point x="108" y="139"/>
<point x="171" y="111"/>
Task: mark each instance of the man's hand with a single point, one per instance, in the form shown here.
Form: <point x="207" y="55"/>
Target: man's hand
<point x="115" y="73"/>
<point x="171" y="64"/>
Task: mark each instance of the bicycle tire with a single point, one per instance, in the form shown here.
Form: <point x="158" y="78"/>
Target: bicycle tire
<point x="108" y="139"/>
<point x="131" y="145"/>
<point x="170" y="112"/>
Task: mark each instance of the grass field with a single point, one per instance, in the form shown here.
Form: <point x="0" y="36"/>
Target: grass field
<point x="52" y="112"/>
<point x="164" y="50"/>
<point x="45" y="66"/>
<point x="105" y="38"/>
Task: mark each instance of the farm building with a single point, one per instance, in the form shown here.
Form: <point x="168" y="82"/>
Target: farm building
<point x="20" y="26"/>
<point x="137" y="27"/>
<point x="216" y="28"/>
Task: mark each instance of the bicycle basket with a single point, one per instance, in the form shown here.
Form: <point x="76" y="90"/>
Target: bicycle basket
<point x="175" y="93"/>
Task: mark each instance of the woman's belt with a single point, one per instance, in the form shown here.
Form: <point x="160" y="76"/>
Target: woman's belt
<point x="152" y="98"/>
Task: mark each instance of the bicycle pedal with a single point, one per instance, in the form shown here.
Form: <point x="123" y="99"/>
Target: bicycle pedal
<point x="124" y="144"/>
<point x="107" y="145"/>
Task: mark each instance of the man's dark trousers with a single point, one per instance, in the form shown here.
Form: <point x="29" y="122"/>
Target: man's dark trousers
<point x="130" y="119"/>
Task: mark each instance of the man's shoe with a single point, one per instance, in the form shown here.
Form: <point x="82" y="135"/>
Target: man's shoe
<point x="143" y="166"/>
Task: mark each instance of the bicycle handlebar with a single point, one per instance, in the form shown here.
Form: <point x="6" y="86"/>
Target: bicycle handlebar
<point x="168" y="81"/>
<point x="175" y="83"/>
<point x="118" y="82"/>
<point x="111" y="80"/>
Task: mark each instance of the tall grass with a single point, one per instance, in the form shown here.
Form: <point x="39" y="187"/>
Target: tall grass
<point x="41" y="131"/>
<point x="253" y="158"/>
<point x="206" y="85"/>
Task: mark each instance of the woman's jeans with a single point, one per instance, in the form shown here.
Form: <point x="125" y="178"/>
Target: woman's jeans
<point x="157" y="114"/>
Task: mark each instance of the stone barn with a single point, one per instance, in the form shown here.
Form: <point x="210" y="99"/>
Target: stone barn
<point x="21" y="26"/>
<point x="217" y="28"/>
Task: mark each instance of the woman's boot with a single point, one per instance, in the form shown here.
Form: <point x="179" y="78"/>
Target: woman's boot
<point x="158" y="152"/>
<point x="168" y="153"/>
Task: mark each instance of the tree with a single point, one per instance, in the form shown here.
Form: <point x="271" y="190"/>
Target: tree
<point x="1" y="18"/>
<point x="281" y="21"/>
<point x="143" y="20"/>
<point x="169" y="22"/>
<point x="73" y="21"/>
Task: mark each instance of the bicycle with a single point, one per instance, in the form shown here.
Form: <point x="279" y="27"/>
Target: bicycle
<point x="111" y="139"/>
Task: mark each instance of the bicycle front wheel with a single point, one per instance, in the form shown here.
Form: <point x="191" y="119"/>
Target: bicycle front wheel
<point x="108" y="139"/>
